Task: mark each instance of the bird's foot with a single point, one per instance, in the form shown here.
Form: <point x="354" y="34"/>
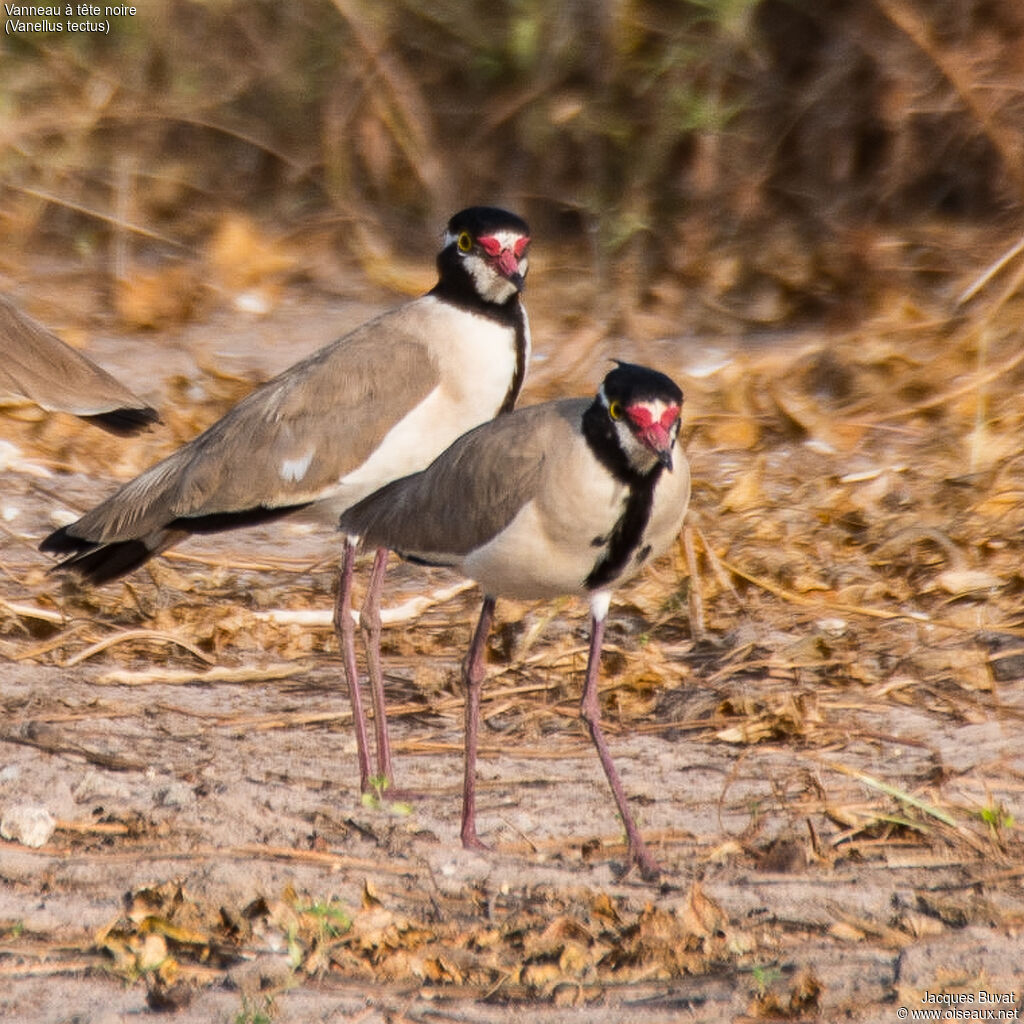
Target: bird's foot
<point x="471" y="841"/>
<point x="649" y="868"/>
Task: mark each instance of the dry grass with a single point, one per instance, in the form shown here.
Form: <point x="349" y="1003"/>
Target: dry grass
<point x="837" y="641"/>
<point x="768" y="155"/>
<point x="852" y="555"/>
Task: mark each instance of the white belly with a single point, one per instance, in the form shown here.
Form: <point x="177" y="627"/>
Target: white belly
<point x="526" y="562"/>
<point x="476" y="358"/>
<point x="547" y="549"/>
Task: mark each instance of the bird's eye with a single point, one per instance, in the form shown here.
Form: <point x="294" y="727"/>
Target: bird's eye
<point x="615" y="410"/>
<point x="465" y="242"/>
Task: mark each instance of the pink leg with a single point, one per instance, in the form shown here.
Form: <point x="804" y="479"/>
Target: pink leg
<point x="344" y="627"/>
<point x="369" y="622"/>
<point x="473" y="677"/>
<point x="590" y="712"/>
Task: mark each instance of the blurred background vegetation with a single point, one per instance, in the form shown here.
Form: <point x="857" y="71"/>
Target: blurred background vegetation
<point x="728" y="164"/>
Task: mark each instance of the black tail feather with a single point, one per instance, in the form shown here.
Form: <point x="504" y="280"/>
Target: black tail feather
<point x="125" y="422"/>
<point x="63" y="542"/>
<point x="109" y="561"/>
<point x="100" y="562"/>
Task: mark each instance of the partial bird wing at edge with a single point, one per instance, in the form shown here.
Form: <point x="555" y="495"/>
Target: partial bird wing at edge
<point x="38" y="365"/>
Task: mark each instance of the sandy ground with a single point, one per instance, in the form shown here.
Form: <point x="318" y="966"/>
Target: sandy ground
<point x="795" y="884"/>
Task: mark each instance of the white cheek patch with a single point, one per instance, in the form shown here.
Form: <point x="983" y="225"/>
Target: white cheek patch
<point x="638" y="454"/>
<point x="293" y="470"/>
<point x="490" y="285"/>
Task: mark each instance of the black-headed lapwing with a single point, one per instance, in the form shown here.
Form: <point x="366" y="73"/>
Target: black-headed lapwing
<point x="377" y="404"/>
<point x="568" y="497"/>
<point x="42" y="368"/>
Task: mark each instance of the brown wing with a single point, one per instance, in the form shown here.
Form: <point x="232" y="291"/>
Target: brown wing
<point x="472" y="491"/>
<point x="38" y="365"/>
<point x="324" y="415"/>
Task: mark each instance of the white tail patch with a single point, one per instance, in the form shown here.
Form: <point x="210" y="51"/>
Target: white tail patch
<point x="293" y="470"/>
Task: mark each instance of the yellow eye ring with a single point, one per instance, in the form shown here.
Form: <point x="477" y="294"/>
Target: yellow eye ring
<point x="465" y="242"/>
<point x="615" y="410"/>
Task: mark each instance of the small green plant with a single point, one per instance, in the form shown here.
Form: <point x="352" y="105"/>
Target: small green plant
<point x="332" y="919"/>
<point x="375" y="799"/>
<point x="677" y="601"/>
<point x="765" y="977"/>
<point x="250" y="1013"/>
<point x="997" y="817"/>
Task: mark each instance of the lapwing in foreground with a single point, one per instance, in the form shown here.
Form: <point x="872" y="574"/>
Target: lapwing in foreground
<point x="375" y="405"/>
<point x="42" y="368"/>
<point x="568" y="497"/>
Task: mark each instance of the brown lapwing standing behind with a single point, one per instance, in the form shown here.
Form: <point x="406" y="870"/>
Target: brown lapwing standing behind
<point x="568" y="497"/>
<point x="377" y="404"/>
<point x="38" y="365"/>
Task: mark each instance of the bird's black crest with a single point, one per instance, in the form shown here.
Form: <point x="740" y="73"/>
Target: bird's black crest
<point x="629" y="382"/>
<point x="454" y="284"/>
<point x="483" y="220"/>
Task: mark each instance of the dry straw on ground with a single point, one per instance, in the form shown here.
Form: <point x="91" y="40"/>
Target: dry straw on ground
<point x="824" y="675"/>
<point x="815" y="699"/>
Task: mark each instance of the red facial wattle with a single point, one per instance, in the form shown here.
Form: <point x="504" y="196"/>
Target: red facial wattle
<point x="506" y="260"/>
<point x="656" y="434"/>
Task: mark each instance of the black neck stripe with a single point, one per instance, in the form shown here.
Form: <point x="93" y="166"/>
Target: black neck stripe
<point x="628" y="531"/>
<point x="456" y="287"/>
<point x="516" y="384"/>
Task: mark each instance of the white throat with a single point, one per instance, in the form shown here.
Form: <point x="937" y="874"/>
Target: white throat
<point x="490" y="285"/>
